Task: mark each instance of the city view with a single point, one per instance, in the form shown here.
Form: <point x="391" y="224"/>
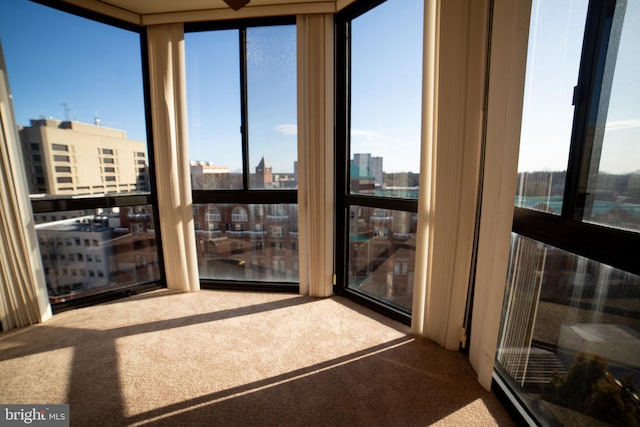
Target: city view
<point x="91" y="251"/>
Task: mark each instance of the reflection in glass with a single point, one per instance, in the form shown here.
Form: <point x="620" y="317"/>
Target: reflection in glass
<point x="247" y="242"/>
<point x="382" y="254"/>
<point x="613" y="190"/>
<point x="385" y="105"/>
<point x="213" y="105"/>
<point x="271" y="93"/>
<point x="553" y="60"/>
<point x="570" y="336"/>
<point x="89" y="252"/>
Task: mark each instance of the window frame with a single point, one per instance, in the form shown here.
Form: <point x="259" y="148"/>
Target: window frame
<point x="567" y="231"/>
<point x="344" y="197"/>
<point x="246" y="195"/>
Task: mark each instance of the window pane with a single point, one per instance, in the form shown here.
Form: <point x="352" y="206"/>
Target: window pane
<point x="553" y="61"/>
<point x="213" y="104"/>
<point x="86" y="99"/>
<point x="89" y="252"/>
<point x="570" y="336"/>
<point x="271" y="88"/>
<point x="382" y="246"/>
<point x="386" y="81"/>
<point x="614" y="181"/>
<point x="247" y="242"/>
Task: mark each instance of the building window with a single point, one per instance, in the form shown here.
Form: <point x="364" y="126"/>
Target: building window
<point x="378" y="144"/>
<point x="571" y="317"/>
<point x="59" y="147"/>
<point x="64" y="180"/>
<point x="63" y="169"/>
<point x="239" y="214"/>
<point x="107" y="151"/>
<point x="59" y="158"/>
<point x="277" y="231"/>
<point x="212" y="214"/>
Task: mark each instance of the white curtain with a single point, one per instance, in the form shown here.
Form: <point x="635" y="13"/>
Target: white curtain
<point x="510" y="33"/>
<point x="453" y="86"/>
<point x="173" y="178"/>
<point x="316" y="206"/>
<point x="23" y="293"/>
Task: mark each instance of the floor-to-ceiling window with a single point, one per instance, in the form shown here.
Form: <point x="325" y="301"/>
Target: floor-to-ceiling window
<point x="570" y="333"/>
<point x="379" y="59"/>
<point x="241" y="89"/>
<point x="79" y="100"/>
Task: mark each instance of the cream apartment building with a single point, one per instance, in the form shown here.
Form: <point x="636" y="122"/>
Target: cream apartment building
<point x="72" y="158"/>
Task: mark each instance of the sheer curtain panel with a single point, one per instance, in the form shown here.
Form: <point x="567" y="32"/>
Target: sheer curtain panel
<point x="168" y="112"/>
<point x="316" y="205"/>
<point x="23" y="293"/>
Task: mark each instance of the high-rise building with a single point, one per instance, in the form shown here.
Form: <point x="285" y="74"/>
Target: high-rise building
<point x="72" y="158"/>
<point x="368" y="165"/>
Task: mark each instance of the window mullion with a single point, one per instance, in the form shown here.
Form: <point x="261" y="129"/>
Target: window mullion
<point x="586" y="100"/>
<point x="244" y="114"/>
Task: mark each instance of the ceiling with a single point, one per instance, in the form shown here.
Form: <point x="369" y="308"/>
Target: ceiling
<point x="150" y="12"/>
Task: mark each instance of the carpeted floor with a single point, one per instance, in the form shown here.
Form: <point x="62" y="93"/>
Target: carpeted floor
<point x="217" y="358"/>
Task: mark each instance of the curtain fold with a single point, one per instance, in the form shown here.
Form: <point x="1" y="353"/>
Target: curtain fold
<point x="23" y="294"/>
<point x="168" y="112"/>
<point x="455" y="34"/>
<point x="316" y="204"/>
<point x="426" y="196"/>
<point x="509" y="41"/>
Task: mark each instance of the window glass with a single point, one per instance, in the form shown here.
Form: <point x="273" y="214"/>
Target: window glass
<point x="613" y="190"/>
<point x="272" y="113"/>
<point x="553" y="61"/>
<point x="76" y="99"/>
<point x="382" y="246"/>
<point x="213" y="101"/>
<point x="570" y="336"/>
<point x="87" y="252"/>
<point x="386" y="77"/>
<point x="247" y="242"/>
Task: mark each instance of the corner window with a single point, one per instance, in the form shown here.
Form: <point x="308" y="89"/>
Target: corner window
<point x="571" y="316"/>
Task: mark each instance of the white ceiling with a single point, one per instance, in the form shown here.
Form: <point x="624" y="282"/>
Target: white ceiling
<point x="149" y="12"/>
<point x="149" y="7"/>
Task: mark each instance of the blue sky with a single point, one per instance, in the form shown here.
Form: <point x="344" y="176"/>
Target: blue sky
<point x="555" y="40"/>
<point x="50" y="65"/>
<point x="387" y="84"/>
<point x="52" y="61"/>
<point x="213" y="96"/>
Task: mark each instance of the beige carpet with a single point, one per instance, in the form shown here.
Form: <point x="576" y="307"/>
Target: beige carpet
<point x="240" y="359"/>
